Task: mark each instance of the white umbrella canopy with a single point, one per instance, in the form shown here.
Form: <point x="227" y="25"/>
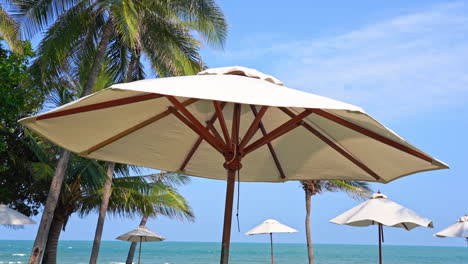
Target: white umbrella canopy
<point x="379" y="210"/>
<point x="459" y="229"/>
<point x="270" y="226"/>
<point x="134" y="123"/>
<point x="141" y="234"/>
<point x="230" y="119"/>
<point x="9" y="216"/>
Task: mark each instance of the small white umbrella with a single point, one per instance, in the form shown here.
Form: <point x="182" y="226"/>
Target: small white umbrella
<point x="271" y="226"/>
<point x="9" y="216"/>
<point x="459" y="229"/>
<point x="379" y="210"/>
<point x="141" y="234"/>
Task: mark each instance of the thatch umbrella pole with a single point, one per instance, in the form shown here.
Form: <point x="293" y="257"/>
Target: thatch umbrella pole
<point x="139" y="253"/>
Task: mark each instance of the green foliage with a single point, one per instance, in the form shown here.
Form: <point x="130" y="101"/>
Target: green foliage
<point x="18" y="98"/>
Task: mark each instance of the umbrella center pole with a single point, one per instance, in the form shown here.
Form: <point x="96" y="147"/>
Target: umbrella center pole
<point x="232" y="165"/>
<point x="271" y="246"/>
<point x="380" y="242"/>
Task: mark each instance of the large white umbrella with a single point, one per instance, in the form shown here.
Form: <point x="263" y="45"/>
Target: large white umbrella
<point x="459" y="229"/>
<point x="226" y="119"/>
<point x="9" y="216"/>
<point x="379" y="210"/>
<point x="271" y="226"/>
<point x="141" y="234"/>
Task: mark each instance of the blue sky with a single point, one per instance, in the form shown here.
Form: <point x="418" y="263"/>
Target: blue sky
<point x="404" y="62"/>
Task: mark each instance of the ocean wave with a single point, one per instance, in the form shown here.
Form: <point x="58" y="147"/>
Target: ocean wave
<point x="19" y="254"/>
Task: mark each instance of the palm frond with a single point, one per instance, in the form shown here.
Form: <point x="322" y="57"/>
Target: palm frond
<point x="126" y="21"/>
<point x="204" y="16"/>
<point x="9" y="31"/>
<point x="37" y="14"/>
<point x="355" y="189"/>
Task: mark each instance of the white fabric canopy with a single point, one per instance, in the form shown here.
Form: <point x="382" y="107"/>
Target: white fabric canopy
<point x="379" y="209"/>
<point x="270" y="226"/>
<point x="9" y="216"/>
<point x="141" y="234"/>
<point x="117" y="125"/>
<point x="459" y="229"/>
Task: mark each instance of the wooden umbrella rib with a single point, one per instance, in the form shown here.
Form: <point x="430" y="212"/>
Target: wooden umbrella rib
<point x="199" y="128"/>
<point x="190" y="154"/>
<point x="270" y="146"/>
<point x="205" y="134"/>
<point x="198" y="142"/>
<point x="334" y="146"/>
<point x="253" y="127"/>
<point x="236" y="123"/>
<point x="210" y="126"/>
<point x="222" y="121"/>
<point x="279" y="131"/>
<point x="134" y="128"/>
<point x="371" y="134"/>
<point x="99" y="106"/>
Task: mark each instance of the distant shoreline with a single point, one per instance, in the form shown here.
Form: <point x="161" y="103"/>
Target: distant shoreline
<point x="276" y="243"/>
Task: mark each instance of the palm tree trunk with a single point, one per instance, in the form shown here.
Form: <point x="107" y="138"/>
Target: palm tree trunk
<point x="50" y="252"/>
<point x="98" y="59"/>
<point x="310" y="250"/>
<point x="131" y="251"/>
<point x="56" y="185"/>
<point x="102" y="213"/>
<point x="51" y="203"/>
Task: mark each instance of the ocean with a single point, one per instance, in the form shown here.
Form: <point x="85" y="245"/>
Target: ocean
<point x="115" y="252"/>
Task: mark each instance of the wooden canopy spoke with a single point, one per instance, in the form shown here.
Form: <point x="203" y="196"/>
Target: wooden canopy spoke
<point x="198" y="141"/>
<point x="99" y="106"/>
<point x="334" y="146"/>
<point x="270" y="146"/>
<point x="371" y="134"/>
<point x="253" y="127"/>
<point x="196" y="125"/>
<point x="279" y="131"/>
<point x="222" y="122"/>
<point x="236" y="124"/>
<point x="134" y="128"/>
<point x="205" y="134"/>
<point x="210" y="126"/>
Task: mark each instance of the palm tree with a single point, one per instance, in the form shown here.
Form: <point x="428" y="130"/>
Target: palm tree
<point x="355" y="189"/>
<point x="114" y="33"/>
<point x="83" y="187"/>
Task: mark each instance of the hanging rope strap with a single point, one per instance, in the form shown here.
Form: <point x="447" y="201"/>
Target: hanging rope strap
<point x="238" y="199"/>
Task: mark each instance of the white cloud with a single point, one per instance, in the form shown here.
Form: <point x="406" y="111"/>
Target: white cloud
<point x="400" y="67"/>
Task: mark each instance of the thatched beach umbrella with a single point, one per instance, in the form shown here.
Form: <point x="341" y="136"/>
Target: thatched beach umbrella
<point x="381" y="211"/>
<point x="141" y="234"/>
<point x="9" y="216"/>
<point x="459" y="229"/>
<point x="271" y="226"/>
<point x="227" y="120"/>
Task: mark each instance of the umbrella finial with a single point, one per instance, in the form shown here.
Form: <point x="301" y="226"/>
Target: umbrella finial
<point x="241" y="71"/>
<point x="378" y="195"/>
